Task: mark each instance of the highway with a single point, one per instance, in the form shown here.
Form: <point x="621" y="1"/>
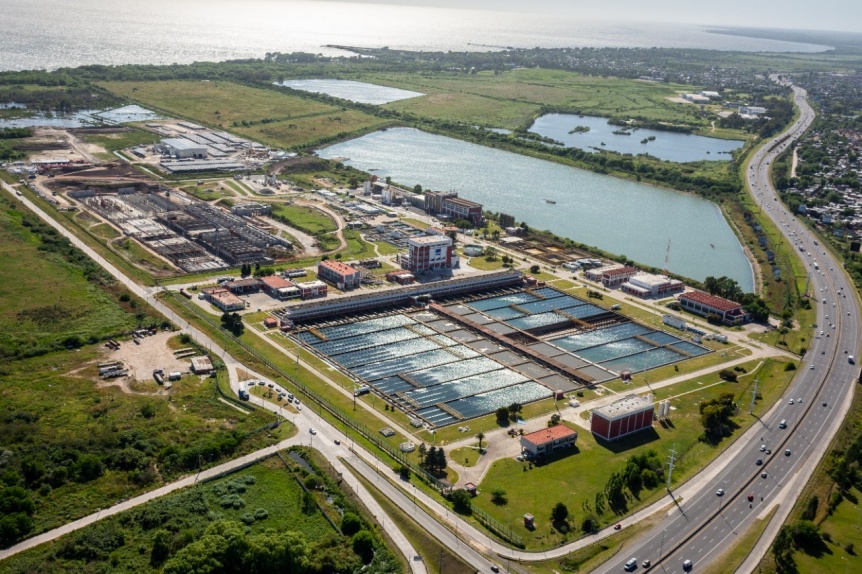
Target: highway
<point x="702" y="527"/>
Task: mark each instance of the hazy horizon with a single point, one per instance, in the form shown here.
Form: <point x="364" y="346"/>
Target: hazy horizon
<point x="840" y="16"/>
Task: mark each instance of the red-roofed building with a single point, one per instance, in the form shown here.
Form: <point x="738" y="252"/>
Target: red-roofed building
<point x="279" y="287"/>
<point x="704" y="304"/>
<point x="547" y="440"/>
<point x="341" y="274"/>
<point x="618" y="276"/>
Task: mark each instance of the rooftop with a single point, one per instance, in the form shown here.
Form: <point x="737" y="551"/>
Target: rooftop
<point x="624" y="406"/>
<point x="276" y="282"/>
<point x="620" y="271"/>
<point x="429" y="240"/>
<point x="338" y="267"/>
<point x="549" y="434"/>
<point x="179" y="143"/>
<point x="719" y="303"/>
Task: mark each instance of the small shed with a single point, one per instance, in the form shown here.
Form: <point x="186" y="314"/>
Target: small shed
<point x="201" y="365"/>
<point x="529" y="521"/>
<point x="270" y="322"/>
<point x="471" y="488"/>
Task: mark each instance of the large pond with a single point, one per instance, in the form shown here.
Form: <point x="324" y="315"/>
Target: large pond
<point x="130" y="113"/>
<point x="619" y="216"/>
<point x="360" y="92"/>
<point x="590" y="133"/>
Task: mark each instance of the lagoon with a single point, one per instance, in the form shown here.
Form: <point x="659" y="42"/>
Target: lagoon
<point x="665" y="145"/>
<point x="359" y="92"/>
<point x="616" y="215"/>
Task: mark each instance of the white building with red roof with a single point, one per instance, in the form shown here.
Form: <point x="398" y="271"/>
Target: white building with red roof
<point x="704" y="304"/>
<point x="547" y="440"/>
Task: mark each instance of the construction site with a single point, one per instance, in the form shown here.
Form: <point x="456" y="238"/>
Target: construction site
<point x="191" y="234"/>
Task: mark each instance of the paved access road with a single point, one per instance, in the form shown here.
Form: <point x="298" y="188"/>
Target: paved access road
<point x="703" y="526"/>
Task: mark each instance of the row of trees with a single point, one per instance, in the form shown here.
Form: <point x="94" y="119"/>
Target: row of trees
<point x="233" y="323"/>
<point x="508" y="414"/>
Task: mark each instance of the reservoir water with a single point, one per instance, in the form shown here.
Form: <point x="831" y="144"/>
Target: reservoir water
<point x="619" y="216"/>
<point x="361" y="92"/>
<point x="666" y="145"/>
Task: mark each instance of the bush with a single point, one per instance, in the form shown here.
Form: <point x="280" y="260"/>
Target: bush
<point x="727" y="375"/>
<point x="461" y="502"/>
<point x="790" y="367"/>
<point x="247" y="518"/>
<point x="350" y="524"/>
<point x="261" y="514"/>
<point x="363" y="545"/>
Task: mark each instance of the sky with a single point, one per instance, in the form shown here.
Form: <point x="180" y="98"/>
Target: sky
<point x="833" y="15"/>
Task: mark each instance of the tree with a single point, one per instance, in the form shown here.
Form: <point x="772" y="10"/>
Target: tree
<point x="502" y="414"/>
<point x="560" y="513"/>
<point x="160" y="550"/>
<point x="363" y="545"/>
<point x="480" y="437"/>
<point x="514" y="411"/>
<point x="555" y="420"/>
<point x="534" y="269"/>
<point x="498" y="496"/>
<point x="89" y="467"/>
<point x="462" y="502"/>
<point x="350" y="524"/>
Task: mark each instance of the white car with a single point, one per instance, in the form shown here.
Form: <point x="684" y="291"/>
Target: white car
<point x="312" y="431"/>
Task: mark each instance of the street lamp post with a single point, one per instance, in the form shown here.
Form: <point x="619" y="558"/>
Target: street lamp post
<point x="661" y="548"/>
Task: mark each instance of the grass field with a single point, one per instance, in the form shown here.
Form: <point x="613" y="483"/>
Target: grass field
<point x="265" y="115"/>
<point x="511" y="99"/>
<point x="267" y="485"/>
<point x="35" y="314"/>
<point x="117" y="141"/>
<point x="305" y="218"/>
<point x="576" y="478"/>
<point x="63" y="411"/>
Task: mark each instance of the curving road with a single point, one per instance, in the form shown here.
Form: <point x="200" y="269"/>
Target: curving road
<point x="702" y="527"/>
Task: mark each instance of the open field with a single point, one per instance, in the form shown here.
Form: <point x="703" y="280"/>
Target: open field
<point x="306" y="130"/>
<point x="216" y="103"/>
<point x="576" y="477"/>
<point x="511" y="99"/>
<point x="302" y="217"/>
<point x="116" y="141"/>
<point x="48" y="301"/>
<point x="124" y="543"/>
<point x="135" y="435"/>
<point x="265" y="115"/>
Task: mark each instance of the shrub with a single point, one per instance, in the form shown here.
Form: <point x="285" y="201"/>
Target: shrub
<point x="350" y="524"/>
<point x="261" y="514"/>
<point x="461" y="502"/>
<point x="247" y="518"/>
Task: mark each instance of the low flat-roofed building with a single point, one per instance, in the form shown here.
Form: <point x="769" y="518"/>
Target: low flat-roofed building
<point x="182" y="148"/>
<point x="342" y="275"/>
<point x="279" y="287"/>
<point x="751" y="110"/>
<point x="622" y="417"/>
<point x="696" y="98"/>
<point x="223" y="299"/>
<point x="595" y="274"/>
<point x="312" y="289"/>
<point x="646" y="285"/>
<point x="247" y="285"/>
<point x="704" y="304"/>
<point x="201" y="365"/>
<point x="547" y="440"/>
<point x="710" y="94"/>
<point x="616" y="277"/>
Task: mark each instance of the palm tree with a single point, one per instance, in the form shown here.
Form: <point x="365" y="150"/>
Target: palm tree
<point x="481" y="437"/>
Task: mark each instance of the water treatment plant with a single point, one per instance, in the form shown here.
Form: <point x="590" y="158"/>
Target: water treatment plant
<point x="465" y="355"/>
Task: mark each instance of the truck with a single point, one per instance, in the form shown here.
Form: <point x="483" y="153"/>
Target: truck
<point x="243" y="392"/>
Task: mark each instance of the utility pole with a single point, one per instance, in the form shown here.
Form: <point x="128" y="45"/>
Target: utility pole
<point x="670" y="466"/>
<point x="753" y="397"/>
<point x="440" y="567"/>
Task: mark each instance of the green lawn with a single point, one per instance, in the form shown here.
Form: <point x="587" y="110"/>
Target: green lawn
<point x="576" y="478"/>
<point x="303" y="217"/>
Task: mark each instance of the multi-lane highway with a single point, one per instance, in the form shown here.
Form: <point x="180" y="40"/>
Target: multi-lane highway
<point x="774" y="458"/>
